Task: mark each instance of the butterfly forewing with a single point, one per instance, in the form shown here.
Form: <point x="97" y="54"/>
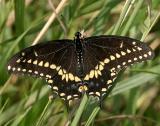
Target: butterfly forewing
<point x="119" y="51"/>
<point x="39" y="60"/>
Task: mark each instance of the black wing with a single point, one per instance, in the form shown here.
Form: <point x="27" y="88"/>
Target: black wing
<point x="54" y="61"/>
<point x="105" y="56"/>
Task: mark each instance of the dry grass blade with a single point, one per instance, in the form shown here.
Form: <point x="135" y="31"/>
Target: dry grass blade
<point x="49" y="22"/>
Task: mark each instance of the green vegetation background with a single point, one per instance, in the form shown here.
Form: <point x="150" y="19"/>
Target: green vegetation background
<point x="135" y="101"/>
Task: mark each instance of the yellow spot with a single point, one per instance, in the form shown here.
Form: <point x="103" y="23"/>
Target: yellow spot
<point x="71" y="77"/>
<point x="133" y="43"/>
<point x="40" y="63"/>
<point x="91" y="74"/>
<point x="104" y="89"/>
<point x="9" y="67"/>
<point x="60" y="72"/>
<point x="139" y="48"/>
<point x="150" y="53"/>
<point x="63" y="76"/>
<point x="129" y="61"/>
<point x="112" y="57"/>
<point x="77" y="79"/>
<point x="13" y="68"/>
<point x="109" y="81"/>
<point x="117" y="55"/>
<point x="118" y="66"/>
<point x="121" y="45"/>
<point x="91" y="93"/>
<point x="101" y="67"/>
<point x="23" y="53"/>
<point x="123" y="53"/>
<point x="35" y="62"/>
<point x="106" y="60"/>
<point x="75" y="95"/>
<point x="113" y="74"/>
<point x="52" y="66"/>
<point x="50" y="81"/>
<point x="145" y="55"/>
<point x="98" y="94"/>
<point x="24" y="61"/>
<point x="99" y="72"/>
<point x="128" y="51"/>
<point x="19" y="69"/>
<point x="48" y="76"/>
<point x="69" y="97"/>
<point x="55" y="87"/>
<point x="124" y="63"/>
<point x="102" y="63"/>
<point x="29" y="61"/>
<point x="18" y="61"/>
<point x="86" y="77"/>
<point x="113" y="69"/>
<point x="66" y="77"/>
<point x="36" y="72"/>
<point x="24" y="70"/>
<point x="96" y="67"/>
<point x="35" y="53"/>
<point x="57" y="68"/>
<point x="41" y="74"/>
<point x="30" y="71"/>
<point x="134" y="50"/>
<point x="96" y="74"/>
<point x="135" y="59"/>
<point x="64" y="71"/>
<point x="62" y="94"/>
<point x="46" y="64"/>
<point x="140" y="57"/>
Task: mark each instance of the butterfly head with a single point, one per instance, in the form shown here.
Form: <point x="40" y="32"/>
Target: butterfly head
<point x="78" y="35"/>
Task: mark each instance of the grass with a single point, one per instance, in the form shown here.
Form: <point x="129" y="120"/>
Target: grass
<point x="135" y="98"/>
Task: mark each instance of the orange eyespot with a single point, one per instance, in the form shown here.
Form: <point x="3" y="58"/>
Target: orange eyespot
<point x="83" y="88"/>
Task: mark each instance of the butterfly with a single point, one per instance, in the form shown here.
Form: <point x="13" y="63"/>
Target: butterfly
<point x="83" y="65"/>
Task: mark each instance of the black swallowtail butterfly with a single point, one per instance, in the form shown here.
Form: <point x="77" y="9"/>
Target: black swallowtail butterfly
<point x="72" y="67"/>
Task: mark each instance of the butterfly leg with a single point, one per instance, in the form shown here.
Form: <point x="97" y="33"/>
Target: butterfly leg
<point x="101" y="101"/>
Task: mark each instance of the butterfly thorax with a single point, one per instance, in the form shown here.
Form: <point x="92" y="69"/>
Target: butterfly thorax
<point x="79" y="54"/>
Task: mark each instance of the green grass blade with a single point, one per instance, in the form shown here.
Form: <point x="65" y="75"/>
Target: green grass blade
<point x="79" y="111"/>
<point x="132" y="17"/>
<point x="19" y="19"/>
<point x="40" y="120"/>
<point x="122" y="16"/>
<point x="149" y="29"/>
<point x="92" y="116"/>
<point x="19" y="118"/>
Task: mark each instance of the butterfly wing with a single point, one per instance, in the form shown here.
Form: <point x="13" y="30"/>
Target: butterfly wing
<point x="54" y="61"/>
<point x="105" y="56"/>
